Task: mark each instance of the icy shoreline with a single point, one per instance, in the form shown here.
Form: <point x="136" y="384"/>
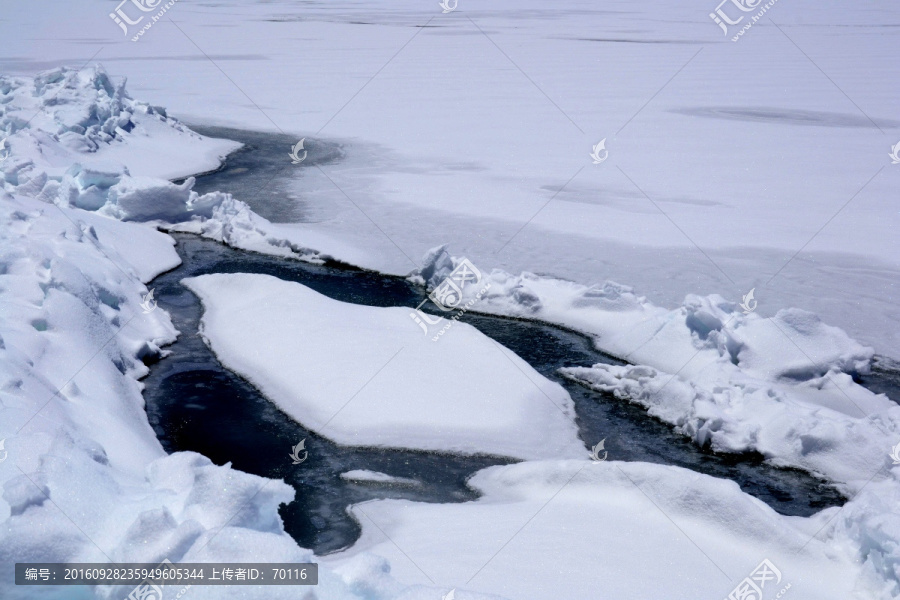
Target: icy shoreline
<point x="84" y="478"/>
<point x="73" y="272"/>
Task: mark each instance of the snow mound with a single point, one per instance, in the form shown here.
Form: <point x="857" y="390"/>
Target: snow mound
<point x="85" y="478"/>
<point x="782" y="386"/>
<point x="751" y="416"/>
<point x="232" y="222"/>
<point x="793" y="344"/>
<point x="600" y="523"/>
<point x="65" y="115"/>
<point x="75" y="139"/>
<point x="396" y="388"/>
<point x="120" y="196"/>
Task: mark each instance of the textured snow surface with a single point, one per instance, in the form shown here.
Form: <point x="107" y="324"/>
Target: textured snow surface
<point x="607" y="530"/>
<point x="754" y="150"/>
<point x="82" y="475"/>
<point x="782" y="386"/>
<point x="66" y="115"/>
<point x="751" y="415"/>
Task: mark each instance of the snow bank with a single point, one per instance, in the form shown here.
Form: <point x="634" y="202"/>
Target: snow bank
<point x="395" y="387"/>
<point x="64" y="116"/>
<point x="75" y="139"/>
<point x="869" y="528"/>
<point x="576" y="529"/>
<point x="704" y="330"/>
<point x="752" y="416"/>
<point x="782" y="386"/>
<point x="85" y="478"/>
<point x="232" y="222"/>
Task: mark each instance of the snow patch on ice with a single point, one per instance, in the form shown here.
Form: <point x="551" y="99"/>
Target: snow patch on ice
<point x="603" y="522"/>
<point x="397" y="389"/>
<point x="752" y="416"/>
<point x="782" y="386"/>
<point x="365" y="476"/>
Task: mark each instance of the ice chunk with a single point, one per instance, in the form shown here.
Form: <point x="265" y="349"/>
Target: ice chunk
<point x="362" y="375"/>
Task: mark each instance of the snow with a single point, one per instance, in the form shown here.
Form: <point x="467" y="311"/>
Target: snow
<point x="757" y="166"/>
<point x="365" y="476"/>
<point x="580" y="529"/>
<point x="366" y="376"/>
<point x="83" y="477"/>
<point x="232" y="222"/>
<point x="786" y="428"/>
<point x="750" y="149"/>
<point x="66" y="115"/>
<point x="782" y="385"/>
<point x="731" y="380"/>
<point x="88" y="145"/>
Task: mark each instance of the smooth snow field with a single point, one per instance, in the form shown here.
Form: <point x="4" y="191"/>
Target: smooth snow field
<point x="456" y="300"/>
<point x="493" y="109"/>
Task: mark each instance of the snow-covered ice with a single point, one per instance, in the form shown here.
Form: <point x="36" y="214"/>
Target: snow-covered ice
<point x="366" y="376"/>
<point x="580" y="529"/>
<point x="749" y="148"/>
<point x="83" y="477"/>
<point x="364" y="476"/>
<point x="782" y="385"/>
<point x="761" y="164"/>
